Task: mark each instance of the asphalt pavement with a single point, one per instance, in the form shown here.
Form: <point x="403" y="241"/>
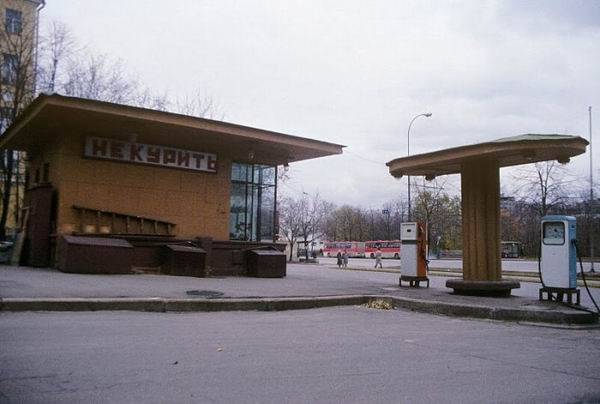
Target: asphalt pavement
<point x="305" y="286"/>
<point x="333" y="355"/>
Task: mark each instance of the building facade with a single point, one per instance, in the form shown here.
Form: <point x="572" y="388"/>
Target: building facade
<point x="109" y="170"/>
<point x="18" y="53"/>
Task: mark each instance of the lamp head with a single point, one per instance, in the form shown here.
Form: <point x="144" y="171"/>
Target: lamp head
<point x="428" y="114"/>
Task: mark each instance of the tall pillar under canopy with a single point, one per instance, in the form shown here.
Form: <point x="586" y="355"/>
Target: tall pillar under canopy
<point x="480" y="188"/>
<point x="482" y="265"/>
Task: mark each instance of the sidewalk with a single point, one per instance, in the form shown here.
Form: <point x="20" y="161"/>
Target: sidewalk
<point x="306" y="286"/>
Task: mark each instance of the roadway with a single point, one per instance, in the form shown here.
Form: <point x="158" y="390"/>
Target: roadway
<point x="333" y="355"/>
<point x="507" y="264"/>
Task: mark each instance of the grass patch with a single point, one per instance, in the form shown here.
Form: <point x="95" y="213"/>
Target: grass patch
<point x="379" y="304"/>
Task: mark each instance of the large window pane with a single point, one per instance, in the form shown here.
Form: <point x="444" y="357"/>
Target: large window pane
<point x="237" y="215"/>
<point x="252" y="202"/>
<point x="267" y="213"/>
<point x="239" y="172"/>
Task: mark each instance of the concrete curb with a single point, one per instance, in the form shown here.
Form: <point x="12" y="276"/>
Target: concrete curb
<point x="532" y="277"/>
<point x="553" y="316"/>
<point x="157" y="304"/>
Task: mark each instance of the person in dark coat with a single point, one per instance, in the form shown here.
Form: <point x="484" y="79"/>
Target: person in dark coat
<point x="339" y="260"/>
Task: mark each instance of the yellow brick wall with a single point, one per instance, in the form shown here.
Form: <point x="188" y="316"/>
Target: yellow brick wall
<point x="197" y="202"/>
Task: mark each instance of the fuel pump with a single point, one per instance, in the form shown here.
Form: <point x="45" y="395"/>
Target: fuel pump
<point x="558" y="258"/>
<point x="413" y="261"/>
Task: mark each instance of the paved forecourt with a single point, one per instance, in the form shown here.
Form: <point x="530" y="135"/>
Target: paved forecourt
<point x="306" y="286"/>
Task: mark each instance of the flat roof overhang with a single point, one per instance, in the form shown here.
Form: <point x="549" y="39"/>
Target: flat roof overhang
<point x="509" y="151"/>
<point x="50" y="116"/>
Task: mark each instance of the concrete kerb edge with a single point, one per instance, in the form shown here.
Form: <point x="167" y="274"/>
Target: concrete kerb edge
<point x="294" y="303"/>
<point x="496" y="313"/>
<point x="82" y="304"/>
<point x="531" y="277"/>
<point x="156" y="304"/>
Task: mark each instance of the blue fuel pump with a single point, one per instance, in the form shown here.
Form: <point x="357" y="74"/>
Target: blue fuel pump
<point x="557" y="263"/>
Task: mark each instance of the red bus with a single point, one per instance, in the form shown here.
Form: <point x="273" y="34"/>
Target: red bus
<point x="389" y="248"/>
<point x="354" y="249"/>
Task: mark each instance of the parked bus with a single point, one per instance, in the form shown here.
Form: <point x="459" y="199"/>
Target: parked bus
<point x="512" y="249"/>
<point x="354" y="249"/>
<point x="389" y="248"/>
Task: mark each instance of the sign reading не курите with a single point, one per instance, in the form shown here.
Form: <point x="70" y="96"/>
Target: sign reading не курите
<point x="140" y="153"/>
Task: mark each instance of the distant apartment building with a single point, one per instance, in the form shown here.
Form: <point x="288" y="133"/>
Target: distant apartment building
<point x="18" y="52"/>
<point x="507" y="204"/>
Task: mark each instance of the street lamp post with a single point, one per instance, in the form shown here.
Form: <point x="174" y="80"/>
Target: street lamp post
<point x="591" y="227"/>
<point x="427" y="115"/>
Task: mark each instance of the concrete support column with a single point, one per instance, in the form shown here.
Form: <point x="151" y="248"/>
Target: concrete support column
<point x="480" y="187"/>
<point x="482" y="266"/>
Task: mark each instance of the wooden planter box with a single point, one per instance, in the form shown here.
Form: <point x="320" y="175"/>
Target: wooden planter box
<point x="94" y="255"/>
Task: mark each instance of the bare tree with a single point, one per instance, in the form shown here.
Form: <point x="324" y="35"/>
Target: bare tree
<point x="289" y="220"/>
<point x="17" y="80"/>
<point x="303" y="220"/>
<point x="347" y="223"/>
<point x="68" y="69"/>
<point x="441" y="214"/>
<point x="56" y="48"/>
<point x="545" y="185"/>
<point x="97" y="77"/>
<point x="312" y="219"/>
<point x="198" y="104"/>
<point x="350" y="223"/>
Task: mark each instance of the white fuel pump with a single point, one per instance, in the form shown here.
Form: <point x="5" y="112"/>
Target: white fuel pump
<point x="413" y="261"/>
<point x="558" y="258"/>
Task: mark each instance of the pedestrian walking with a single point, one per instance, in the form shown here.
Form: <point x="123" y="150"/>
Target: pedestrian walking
<point x="339" y="260"/>
<point x="378" y="258"/>
<point x="345" y="258"/>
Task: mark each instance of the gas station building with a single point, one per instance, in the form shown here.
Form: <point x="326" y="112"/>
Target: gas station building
<point x="98" y="170"/>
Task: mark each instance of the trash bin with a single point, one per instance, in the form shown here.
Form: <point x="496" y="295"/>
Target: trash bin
<point x="266" y="263"/>
<point x="94" y="255"/>
<point x="184" y="260"/>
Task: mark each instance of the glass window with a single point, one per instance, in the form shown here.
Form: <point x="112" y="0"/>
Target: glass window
<point x="237" y="215"/>
<point x="239" y="172"/>
<point x="5" y="118"/>
<point x="13" y="21"/>
<point x="554" y="233"/>
<point x="267" y="209"/>
<point x="252" y="205"/>
<point x="8" y="72"/>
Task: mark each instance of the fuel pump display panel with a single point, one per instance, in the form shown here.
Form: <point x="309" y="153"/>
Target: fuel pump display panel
<point x="554" y="233"/>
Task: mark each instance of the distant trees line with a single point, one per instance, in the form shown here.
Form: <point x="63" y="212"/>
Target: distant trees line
<point x="538" y="190"/>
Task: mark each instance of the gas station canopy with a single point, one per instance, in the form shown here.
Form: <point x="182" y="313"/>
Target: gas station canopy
<point x="508" y="151"/>
<point x="479" y="166"/>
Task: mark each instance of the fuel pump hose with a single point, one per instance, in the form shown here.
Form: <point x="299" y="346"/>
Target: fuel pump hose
<point x="583" y="277"/>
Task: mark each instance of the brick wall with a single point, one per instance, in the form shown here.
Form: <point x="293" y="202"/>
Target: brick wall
<point x="197" y="202"/>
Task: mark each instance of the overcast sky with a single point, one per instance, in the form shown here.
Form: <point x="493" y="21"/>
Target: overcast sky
<point x="356" y="72"/>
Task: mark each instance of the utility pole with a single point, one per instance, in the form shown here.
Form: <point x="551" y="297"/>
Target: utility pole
<point x="591" y="225"/>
